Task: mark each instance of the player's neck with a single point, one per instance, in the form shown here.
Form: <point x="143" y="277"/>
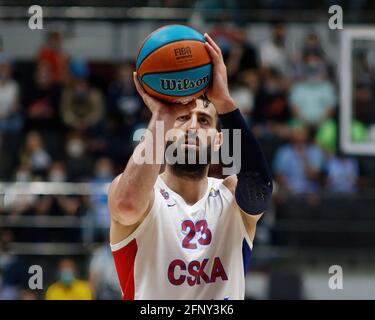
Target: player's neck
<point x="191" y="190"/>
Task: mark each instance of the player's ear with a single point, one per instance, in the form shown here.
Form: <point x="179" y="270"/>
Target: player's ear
<point x="218" y="140"/>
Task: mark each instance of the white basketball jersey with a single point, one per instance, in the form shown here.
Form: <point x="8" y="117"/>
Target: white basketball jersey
<point x="186" y="252"/>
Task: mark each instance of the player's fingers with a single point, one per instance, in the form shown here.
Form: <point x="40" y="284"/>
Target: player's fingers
<point x="213" y="44"/>
<point x="147" y="99"/>
<point x="145" y="96"/>
<point x="213" y="54"/>
<point x="138" y="86"/>
<point x="179" y="107"/>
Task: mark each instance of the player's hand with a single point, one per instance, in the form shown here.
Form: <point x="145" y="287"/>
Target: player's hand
<point x="156" y="106"/>
<point x="218" y="93"/>
<point x="153" y="104"/>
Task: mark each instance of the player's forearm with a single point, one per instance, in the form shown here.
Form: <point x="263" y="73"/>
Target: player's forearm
<point x="135" y="185"/>
<point x="254" y="185"/>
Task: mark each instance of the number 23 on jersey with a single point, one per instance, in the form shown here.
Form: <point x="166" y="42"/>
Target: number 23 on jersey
<point x="197" y="233"/>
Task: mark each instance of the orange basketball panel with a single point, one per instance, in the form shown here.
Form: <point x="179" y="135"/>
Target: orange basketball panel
<point x="175" y="56"/>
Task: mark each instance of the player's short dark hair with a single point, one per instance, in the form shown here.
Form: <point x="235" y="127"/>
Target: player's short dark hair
<point x="205" y="100"/>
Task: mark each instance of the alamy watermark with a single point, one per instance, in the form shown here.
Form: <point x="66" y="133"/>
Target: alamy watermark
<point x="36" y="279"/>
<point x="335" y="281"/>
<point x="335" y="21"/>
<point x="36" y="19"/>
<point x="193" y="147"/>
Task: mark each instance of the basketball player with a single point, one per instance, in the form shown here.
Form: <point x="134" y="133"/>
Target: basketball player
<point x="182" y="234"/>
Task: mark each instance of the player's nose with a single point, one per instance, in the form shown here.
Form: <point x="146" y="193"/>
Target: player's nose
<point x="193" y="125"/>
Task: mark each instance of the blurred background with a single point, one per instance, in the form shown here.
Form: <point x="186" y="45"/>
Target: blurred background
<point x="68" y="110"/>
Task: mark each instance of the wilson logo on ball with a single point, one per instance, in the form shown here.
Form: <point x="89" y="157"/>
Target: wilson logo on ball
<point x="182" y="84"/>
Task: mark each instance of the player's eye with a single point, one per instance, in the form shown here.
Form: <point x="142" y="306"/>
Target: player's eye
<point x="183" y="118"/>
<point x="204" y="121"/>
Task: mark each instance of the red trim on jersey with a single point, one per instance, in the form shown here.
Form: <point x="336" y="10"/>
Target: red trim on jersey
<point x="124" y="261"/>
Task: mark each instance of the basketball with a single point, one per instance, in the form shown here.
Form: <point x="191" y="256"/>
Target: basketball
<point x="173" y="64"/>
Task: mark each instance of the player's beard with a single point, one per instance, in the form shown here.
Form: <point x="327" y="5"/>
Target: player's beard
<point x="194" y="171"/>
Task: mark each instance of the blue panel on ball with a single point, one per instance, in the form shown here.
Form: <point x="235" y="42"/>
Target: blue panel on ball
<point x="181" y="83"/>
<point x="166" y="35"/>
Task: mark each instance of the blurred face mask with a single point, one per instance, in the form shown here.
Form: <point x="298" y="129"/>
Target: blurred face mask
<point x="314" y="71"/>
<point x="56" y="176"/>
<point x="104" y="173"/>
<point x="66" y="277"/>
<point x="75" y="148"/>
<point x="271" y="87"/>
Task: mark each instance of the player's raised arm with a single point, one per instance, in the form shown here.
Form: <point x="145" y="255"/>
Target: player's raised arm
<point x="131" y="193"/>
<point x="253" y="186"/>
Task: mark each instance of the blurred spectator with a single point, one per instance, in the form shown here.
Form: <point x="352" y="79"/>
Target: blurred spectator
<point x="271" y="103"/>
<point x="13" y="271"/>
<point x="310" y="47"/>
<point x="82" y="107"/>
<point x="103" y="171"/>
<point x="125" y="109"/>
<point x="42" y="100"/>
<point x="52" y="54"/>
<point x="34" y="154"/>
<point x="103" y="277"/>
<point x="18" y="204"/>
<point x="57" y="172"/>
<point x="364" y="103"/>
<point x="98" y="221"/>
<point x="313" y="46"/>
<point x="362" y="66"/>
<point x="243" y="97"/>
<point x="274" y="53"/>
<point x="223" y="35"/>
<point x="10" y="116"/>
<point x="78" y="162"/>
<point x="68" y="286"/>
<point x="114" y="142"/>
<point x="43" y="205"/>
<point x="313" y="99"/>
<point x="23" y="173"/>
<point x="27" y="295"/>
<point x="242" y="55"/>
<point x="342" y="173"/>
<point x="123" y="99"/>
<point x="299" y="164"/>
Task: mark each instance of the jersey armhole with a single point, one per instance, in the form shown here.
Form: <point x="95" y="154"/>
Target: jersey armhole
<point x="228" y="194"/>
<point x="244" y="232"/>
<point x="119" y="245"/>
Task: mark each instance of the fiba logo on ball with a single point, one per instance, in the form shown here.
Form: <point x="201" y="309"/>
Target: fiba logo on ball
<point x="183" y="53"/>
<point x="182" y="84"/>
